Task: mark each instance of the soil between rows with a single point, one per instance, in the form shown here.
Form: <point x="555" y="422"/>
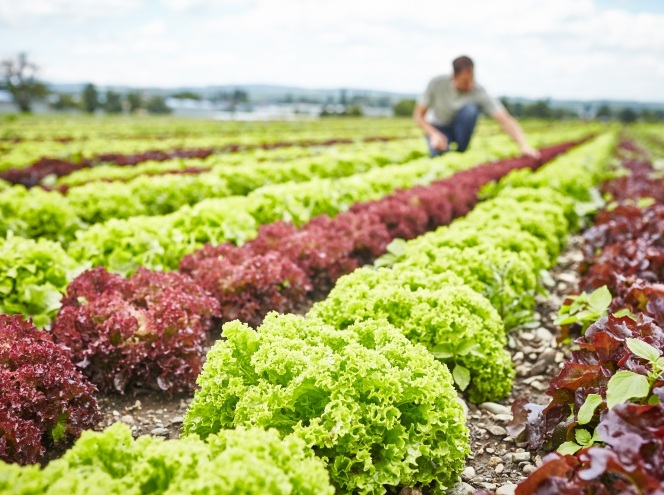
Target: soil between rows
<point x="497" y="464"/>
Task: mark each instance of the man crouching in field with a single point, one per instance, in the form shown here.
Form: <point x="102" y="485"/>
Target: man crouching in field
<point x="455" y="102"/>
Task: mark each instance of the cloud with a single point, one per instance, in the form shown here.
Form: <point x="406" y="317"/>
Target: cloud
<point x="150" y="38"/>
<point x="204" y="5"/>
<point x="535" y="48"/>
<point x="522" y="47"/>
<point x="153" y="29"/>
<point x="14" y="13"/>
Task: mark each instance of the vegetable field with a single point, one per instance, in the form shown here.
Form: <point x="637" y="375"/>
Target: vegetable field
<point x="319" y="307"/>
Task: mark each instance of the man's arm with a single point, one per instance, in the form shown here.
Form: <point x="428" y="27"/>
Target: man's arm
<point x="437" y="139"/>
<point x="514" y="130"/>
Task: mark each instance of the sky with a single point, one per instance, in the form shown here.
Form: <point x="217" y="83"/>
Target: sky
<point x="565" y="49"/>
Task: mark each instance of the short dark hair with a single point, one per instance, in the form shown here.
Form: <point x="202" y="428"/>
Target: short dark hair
<point x="462" y="63"/>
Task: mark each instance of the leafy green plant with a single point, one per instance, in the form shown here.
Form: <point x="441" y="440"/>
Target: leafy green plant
<point x="573" y="174"/>
<point x="584" y="309"/>
<point x="506" y="279"/>
<point x="378" y="409"/>
<point x="583" y="439"/>
<point x="587" y="410"/>
<point x="33" y="276"/>
<point x="247" y="461"/>
<point x="581" y="435"/>
<point x="36" y="213"/>
<point x="626" y="385"/>
<point x="458" y="325"/>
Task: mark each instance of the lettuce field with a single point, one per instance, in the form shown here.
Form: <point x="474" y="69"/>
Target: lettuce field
<point x="318" y="307"/>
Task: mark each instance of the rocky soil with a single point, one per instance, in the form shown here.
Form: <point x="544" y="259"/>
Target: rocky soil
<point x="497" y="464"/>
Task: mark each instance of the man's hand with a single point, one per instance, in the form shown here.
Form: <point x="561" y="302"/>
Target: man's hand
<point x="513" y="129"/>
<point x="438" y="141"/>
<point x="530" y="152"/>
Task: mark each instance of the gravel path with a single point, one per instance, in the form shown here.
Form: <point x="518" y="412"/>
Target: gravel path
<point x="497" y="464"/>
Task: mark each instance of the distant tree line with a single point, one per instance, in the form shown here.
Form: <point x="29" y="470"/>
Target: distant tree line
<point x="234" y="97"/>
<point x="345" y="111"/>
<point x="404" y="108"/>
<point x="19" y="77"/>
<point x="542" y="109"/>
<point x="92" y="100"/>
<point x="628" y="115"/>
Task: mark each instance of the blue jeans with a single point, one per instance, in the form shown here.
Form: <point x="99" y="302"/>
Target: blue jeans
<point x="459" y="131"/>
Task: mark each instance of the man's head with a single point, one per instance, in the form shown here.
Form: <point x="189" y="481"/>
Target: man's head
<point x="463" y="73"/>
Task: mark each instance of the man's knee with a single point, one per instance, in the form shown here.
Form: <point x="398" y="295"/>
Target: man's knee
<point x="469" y="111"/>
<point x="464" y="125"/>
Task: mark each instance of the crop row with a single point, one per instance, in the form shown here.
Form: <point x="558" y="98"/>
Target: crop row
<point x="385" y="150"/>
<point x="650" y="136"/>
<point x="155" y="129"/>
<point x="238" y="135"/>
<point x="351" y="151"/>
<point x="37" y="213"/>
<point x="24" y="211"/>
<point x="613" y="385"/>
<point x="35" y="173"/>
<point x="150" y="330"/>
<point x="34" y="273"/>
<point x="27" y="140"/>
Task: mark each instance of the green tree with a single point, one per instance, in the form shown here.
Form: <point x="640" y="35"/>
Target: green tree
<point x="604" y="112"/>
<point x="518" y="110"/>
<point x="404" y="108"/>
<point x="157" y="104"/>
<point x="343" y="98"/>
<point x="113" y="103"/>
<point x="64" y="101"/>
<point x="353" y="111"/>
<point x="186" y="95"/>
<point x="538" y="110"/>
<point x="650" y="115"/>
<point x="90" y="98"/>
<point x="627" y="115"/>
<point x="19" y="77"/>
<point x="135" y="101"/>
<point x="240" y="96"/>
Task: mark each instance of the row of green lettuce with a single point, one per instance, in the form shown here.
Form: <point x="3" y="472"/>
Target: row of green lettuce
<point x="38" y="128"/>
<point x="388" y="152"/>
<point x="651" y="136"/>
<point x="238" y="461"/>
<point x="159" y="242"/>
<point x="349" y="382"/>
<point x="384" y="151"/>
<point x="33" y="273"/>
<point x="88" y="138"/>
<point x="38" y="213"/>
<point x="26" y="140"/>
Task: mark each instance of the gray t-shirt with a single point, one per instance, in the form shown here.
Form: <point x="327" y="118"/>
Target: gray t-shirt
<point x="444" y="101"/>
